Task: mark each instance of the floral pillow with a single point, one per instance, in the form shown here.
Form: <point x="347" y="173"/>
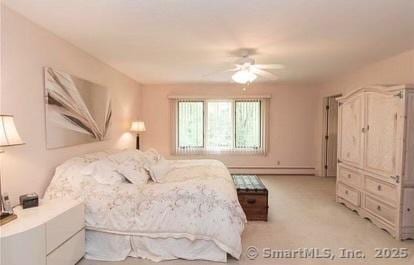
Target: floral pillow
<point x="104" y="171"/>
<point x="134" y="171"/>
<point x="159" y="170"/>
<point x="152" y="155"/>
<point x="124" y="155"/>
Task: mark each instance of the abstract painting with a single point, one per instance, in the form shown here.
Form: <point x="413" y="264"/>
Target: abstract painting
<point x="77" y="111"/>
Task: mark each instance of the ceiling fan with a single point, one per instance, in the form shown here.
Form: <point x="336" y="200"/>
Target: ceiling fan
<point x="246" y="70"/>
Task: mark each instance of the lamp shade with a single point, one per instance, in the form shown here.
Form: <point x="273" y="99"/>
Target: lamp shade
<point x="8" y="132"/>
<point x="138" y="126"/>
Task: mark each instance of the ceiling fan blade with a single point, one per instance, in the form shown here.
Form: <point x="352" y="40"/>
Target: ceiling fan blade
<point x="270" y="66"/>
<point x="223" y="71"/>
<point x="264" y="74"/>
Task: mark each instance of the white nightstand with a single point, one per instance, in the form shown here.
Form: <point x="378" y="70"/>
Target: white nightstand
<point x="51" y="234"/>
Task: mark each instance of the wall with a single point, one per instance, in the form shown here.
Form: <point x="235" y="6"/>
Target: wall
<point x="292" y="114"/>
<point x="398" y="69"/>
<point x="26" y="49"/>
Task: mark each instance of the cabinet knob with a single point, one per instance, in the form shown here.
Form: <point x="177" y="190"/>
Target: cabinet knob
<point x="346" y="192"/>
<point x="379" y="208"/>
<point x="379" y="188"/>
<point x="396" y="178"/>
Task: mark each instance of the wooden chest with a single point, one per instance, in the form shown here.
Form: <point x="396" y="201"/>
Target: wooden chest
<point x="253" y="196"/>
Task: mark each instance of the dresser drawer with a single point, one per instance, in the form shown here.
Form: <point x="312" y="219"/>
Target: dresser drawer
<point x="63" y="226"/>
<point x="382" y="189"/>
<point x="350" y="177"/>
<point x="380" y="209"/>
<point x="408" y="208"/>
<point x="70" y="252"/>
<point x="349" y="194"/>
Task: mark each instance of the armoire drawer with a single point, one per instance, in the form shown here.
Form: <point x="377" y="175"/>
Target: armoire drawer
<point x="408" y="208"/>
<point x="380" y="209"/>
<point x="382" y="189"/>
<point x="349" y="194"/>
<point x="350" y="177"/>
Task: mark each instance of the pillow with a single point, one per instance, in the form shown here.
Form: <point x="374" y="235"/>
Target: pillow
<point x="159" y="170"/>
<point x="122" y="156"/>
<point x="134" y="171"/>
<point x="153" y="155"/>
<point x="104" y="171"/>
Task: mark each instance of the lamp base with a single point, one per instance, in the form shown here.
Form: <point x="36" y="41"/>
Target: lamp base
<point x="137" y="141"/>
<point x="6" y="217"/>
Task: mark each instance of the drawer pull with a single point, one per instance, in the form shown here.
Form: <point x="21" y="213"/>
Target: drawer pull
<point x="379" y="208"/>
<point x="379" y="188"/>
<point x="396" y="178"/>
<point x="251" y="201"/>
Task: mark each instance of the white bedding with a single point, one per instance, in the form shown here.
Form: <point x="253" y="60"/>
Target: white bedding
<point x="196" y="201"/>
<point x="114" y="247"/>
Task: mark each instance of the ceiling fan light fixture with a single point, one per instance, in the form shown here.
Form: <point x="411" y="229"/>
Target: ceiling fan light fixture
<point x="243" y="77"/>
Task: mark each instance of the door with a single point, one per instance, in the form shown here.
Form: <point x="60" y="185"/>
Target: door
<point x="351" y="124"/>
<point x="383" y="137"/>
<point x="331" y="136"/>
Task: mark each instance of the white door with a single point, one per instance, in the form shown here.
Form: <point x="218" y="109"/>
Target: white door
<point x="383" y="136"/>
<point x="350" y="137"/>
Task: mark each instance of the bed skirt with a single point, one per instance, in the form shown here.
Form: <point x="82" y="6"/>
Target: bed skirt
<point x="114" y="247"/>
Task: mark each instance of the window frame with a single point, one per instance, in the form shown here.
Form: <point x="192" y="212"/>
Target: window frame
<point x="264" y="103"/>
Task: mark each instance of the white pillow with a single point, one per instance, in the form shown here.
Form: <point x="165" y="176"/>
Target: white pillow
<point x="134" y="171"/>
<point x="125" y="155"/>
<point x="159" y="170"/>
<point x="104" y="171"/>
<point x="153" y="155"/>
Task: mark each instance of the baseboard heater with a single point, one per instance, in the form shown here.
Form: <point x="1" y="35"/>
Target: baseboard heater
<point x="272" y="170"/>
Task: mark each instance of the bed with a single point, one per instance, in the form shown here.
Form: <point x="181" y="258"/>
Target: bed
<point x="187" y="209"/>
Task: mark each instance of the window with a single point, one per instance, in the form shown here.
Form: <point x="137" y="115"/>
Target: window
<point x="190" y="125"/>
<point x="248" y="124"/>
<point x="214" y="126"/>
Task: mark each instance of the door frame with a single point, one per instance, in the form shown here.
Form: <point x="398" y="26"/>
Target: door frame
<point x="325" y="121"/>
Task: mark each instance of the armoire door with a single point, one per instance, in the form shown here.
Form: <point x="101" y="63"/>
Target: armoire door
<point x="383" y="133"/>
<point x="350" y="138"/>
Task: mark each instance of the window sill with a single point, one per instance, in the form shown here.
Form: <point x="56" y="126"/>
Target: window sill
<point x="219" y="153"/>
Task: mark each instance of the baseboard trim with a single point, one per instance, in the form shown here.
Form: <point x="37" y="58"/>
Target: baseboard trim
<point x="272" y="170"/>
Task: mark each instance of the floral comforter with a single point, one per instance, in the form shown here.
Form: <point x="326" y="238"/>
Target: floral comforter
<point x="197" y="200"/>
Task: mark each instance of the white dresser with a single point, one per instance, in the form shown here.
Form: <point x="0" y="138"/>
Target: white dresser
<point x="376" y="156"/>
<point x="51" y="234"/>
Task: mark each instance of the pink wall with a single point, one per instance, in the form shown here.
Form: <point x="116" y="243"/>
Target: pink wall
<point x="26" y="49"/>
<point x="292" y="114"/>
<point x="398" y="69"/>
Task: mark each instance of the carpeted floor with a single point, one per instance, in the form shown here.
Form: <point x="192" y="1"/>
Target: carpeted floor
<point x="303" y="214"/>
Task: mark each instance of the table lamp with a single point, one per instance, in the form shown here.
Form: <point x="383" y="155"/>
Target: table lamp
<point x="138" y="127"/>
<point x="8" y="137"/>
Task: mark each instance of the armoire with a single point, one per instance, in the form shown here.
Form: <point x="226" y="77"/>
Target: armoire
<point x="376" y="156"/>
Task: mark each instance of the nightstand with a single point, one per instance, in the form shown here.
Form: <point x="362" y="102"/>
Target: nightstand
<point x="51" y="234"/>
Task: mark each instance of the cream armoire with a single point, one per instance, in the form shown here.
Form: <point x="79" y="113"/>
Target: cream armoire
<point x="376" y="156"/>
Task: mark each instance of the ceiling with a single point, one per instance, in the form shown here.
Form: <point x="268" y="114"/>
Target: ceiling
<point x="181" y="41"/>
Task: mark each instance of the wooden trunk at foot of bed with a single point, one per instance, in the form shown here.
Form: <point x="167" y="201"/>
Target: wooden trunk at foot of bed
<point x="253" y="197"/>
